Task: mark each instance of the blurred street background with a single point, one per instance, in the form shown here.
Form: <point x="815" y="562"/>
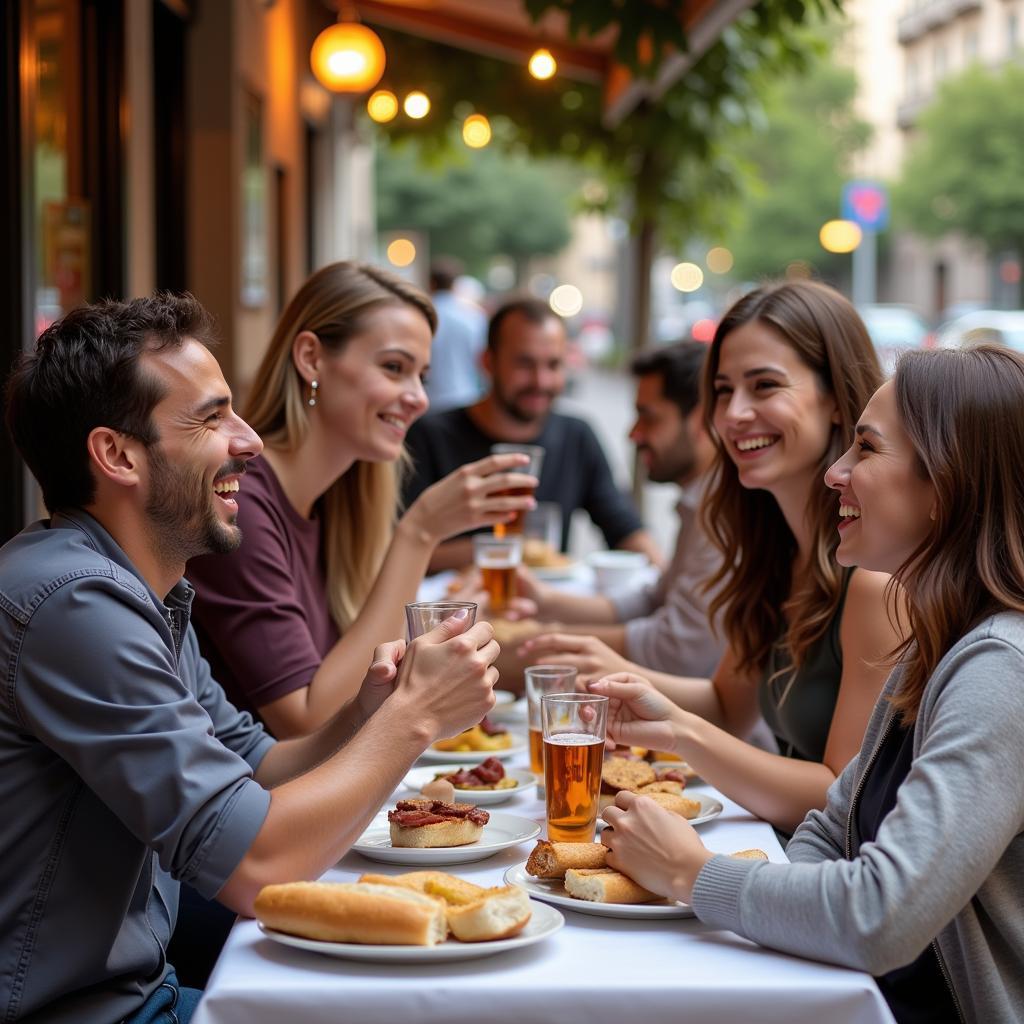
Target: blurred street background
<point x="638" y="166"/>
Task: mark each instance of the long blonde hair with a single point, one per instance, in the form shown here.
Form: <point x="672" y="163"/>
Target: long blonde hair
<point x="358" y="510"/>
<point x="758" y="593"/>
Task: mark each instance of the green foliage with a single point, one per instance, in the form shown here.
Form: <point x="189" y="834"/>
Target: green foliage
<point x="801" y="157"/>
<point x="672" y="162"/>
<point x="483" y="205"/>
<point x="963" y="172"/>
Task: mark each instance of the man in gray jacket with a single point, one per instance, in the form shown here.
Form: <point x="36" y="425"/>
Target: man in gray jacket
<point x="125" y="770"/>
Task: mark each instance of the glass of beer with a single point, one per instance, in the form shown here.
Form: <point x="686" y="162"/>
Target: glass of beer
<point x="533" y="468"/>
<point x="542" y="679"/>
<point x="423" y="616"/>
<point x="574" y="733"/>
<point x="497" y="559"/>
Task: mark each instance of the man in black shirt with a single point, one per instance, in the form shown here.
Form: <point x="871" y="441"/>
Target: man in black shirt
<point x="525" y="358"/>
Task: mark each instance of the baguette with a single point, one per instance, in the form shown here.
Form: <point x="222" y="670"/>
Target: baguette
<point x="454" y="891"/>
<point x="681" y="805"/>
<point x="353" y="912"/>
<point x="603" y="885"/>
<point x="552" y="860"/>
<point x="499" y="913"/>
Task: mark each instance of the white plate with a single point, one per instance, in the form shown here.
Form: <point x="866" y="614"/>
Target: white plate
<point x="501" y="832"/>
<point x="515" y="713"/>
<point x="551" y="890"/>
<point x="555" y="572"/>
<point x="419" y="777"/>
<point x="543" y="922"/>
<point x="710" y="808"/>
<point x="503" y="698"/>
<point x="432" y="756"/>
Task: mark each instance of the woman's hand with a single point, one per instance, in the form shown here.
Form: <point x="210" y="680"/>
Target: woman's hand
<point x="471" y="497"/>
<point x="591" y="657"/>
<point x="638" y="716"/>
<point x="656" y="848"/>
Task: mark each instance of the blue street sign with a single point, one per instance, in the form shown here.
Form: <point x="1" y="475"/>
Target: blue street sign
<point x="866" y="203"/>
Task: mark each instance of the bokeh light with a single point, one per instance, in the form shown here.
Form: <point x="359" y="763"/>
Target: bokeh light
<point x="476" y="131"/>
<point x="542" y="65"/>
<point x="719" y="260"/>
<point x="401" y="252"/>
<point x="382" y="106"/>
<point x="566" y="300"/>
<point x="840" y="235"/>
<point x="347" y="57"/>
<point x="687" y="277"/>
<point x="416" y="105"/>
<point x="703" y="330"/>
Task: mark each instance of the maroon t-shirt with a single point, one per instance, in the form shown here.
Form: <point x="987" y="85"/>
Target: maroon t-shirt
<point x="261" y="612"/>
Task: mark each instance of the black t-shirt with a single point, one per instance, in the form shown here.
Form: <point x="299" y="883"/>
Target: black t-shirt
<point x="917" y="993"/>
<point x="575" y="473"/>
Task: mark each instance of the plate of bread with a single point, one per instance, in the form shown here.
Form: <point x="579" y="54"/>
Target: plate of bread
<point x="426" y="831"/>
<point x="489" y="782"/>
<point x="577" y="876"/>
<point x="417" y="917"/>
<point x="664" y="785"/>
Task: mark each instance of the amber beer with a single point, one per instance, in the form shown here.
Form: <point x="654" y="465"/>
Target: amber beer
<point x="497" y="558"/>
<point x="536" y="751"/>
<point x="572" y="782"/>
<point x="500" y="584"/>
<point x="536" y="455"/>
<point x="518" y="524"/>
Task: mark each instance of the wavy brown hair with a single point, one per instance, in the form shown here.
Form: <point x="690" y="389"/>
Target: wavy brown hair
<point x="757" y="594"/>
<point x="357" y="511"/>
<point x="963" y="410"/>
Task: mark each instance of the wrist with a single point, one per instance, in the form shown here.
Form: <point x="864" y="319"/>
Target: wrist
<point x="414" y="528"/>
<point x="683" y="882"/>
<point x="411" y="720"/>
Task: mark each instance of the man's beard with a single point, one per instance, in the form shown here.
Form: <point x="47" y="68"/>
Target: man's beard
<point x="511" y="406"/>
<point x="673" y="465"/>
<point x="180" y="507"/>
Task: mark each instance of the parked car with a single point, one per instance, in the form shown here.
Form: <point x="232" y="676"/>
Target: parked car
<point x="1002" y="326"/>
<point x="894" y="329"/>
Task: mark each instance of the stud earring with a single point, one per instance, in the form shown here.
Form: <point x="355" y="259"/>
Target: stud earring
<point x="313" y="386"/>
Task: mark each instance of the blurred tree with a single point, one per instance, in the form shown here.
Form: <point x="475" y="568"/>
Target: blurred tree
<point x="963" y="171"/>
<point x="477" y="206"/>
<point x="801" y="156"/>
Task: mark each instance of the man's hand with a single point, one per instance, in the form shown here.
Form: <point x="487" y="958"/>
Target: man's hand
<point x="378" y="683"/>
<point x="638" y="716"/>
<point x="447" y="676"/>
<point x="593" y="658"/>
<point x="656" y="848"/>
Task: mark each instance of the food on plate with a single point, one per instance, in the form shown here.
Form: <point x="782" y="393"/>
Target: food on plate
<point x="433" y="823"/>
<point x="603" y="885"/>
<point x="353" y="912"/>
<point x="750" y="855"/>
<point x="510" y="634"/>
<point x="453" y="890"/>
<point x="618" y="773"/>
<point x="485" y="736"/>
<point x="474" y="914"/>
<point x="488" y="775"/>
<point x="663" y="786"/>
<point x="552" y="860"/>
<point x="539" y="554"/>
<point x="681" y="805"/>
<point x="439" y="789"/>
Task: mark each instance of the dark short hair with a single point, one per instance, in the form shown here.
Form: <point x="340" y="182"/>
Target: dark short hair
<point x="680" y="367"/>
<point x="83" y="373"/>
<point x="443" y="273"/>
<point x="534" y="311"/>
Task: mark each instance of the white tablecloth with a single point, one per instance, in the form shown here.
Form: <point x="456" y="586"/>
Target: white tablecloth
<point x="593" y="970"/>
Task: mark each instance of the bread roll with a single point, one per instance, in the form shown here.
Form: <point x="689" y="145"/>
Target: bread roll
<point x="441" y="833"/>
<point x="750" y="855"/>
<point x="604" y="885"/>
<point x="499" y="914"/>
<point x="681" y="805"/>
<point x="662" y="786"/>
<point x="353" y="912"/>
<point x="454" y="891"/>
<point x="552" y="860"/>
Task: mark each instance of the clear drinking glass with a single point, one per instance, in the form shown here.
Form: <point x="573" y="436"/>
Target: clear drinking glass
<point x="422" y="616"/>
<point x="533" y="468"/>
<point x="497" y="559"/>
<point x="540" y="680"/>
<point x="574" y="733"/>
<point x="542" y="535"/>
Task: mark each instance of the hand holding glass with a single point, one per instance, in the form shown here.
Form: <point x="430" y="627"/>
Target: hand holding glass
<point x="533" y="467"/>
<point x="423" y="616"/>
<point x="574" y="733"/>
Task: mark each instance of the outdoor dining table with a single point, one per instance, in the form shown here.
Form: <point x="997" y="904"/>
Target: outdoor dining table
<point x="593" y="970"/>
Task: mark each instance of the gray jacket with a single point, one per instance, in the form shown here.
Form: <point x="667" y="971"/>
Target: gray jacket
<point x="948" y="863"/>
<point x="123" y="770"/>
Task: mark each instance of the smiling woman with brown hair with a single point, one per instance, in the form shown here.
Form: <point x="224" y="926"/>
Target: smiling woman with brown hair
<point x="290" y="621"/>
<point x="913" y="870"/>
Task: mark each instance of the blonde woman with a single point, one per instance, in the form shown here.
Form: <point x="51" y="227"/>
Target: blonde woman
<point x="290" y="621"/>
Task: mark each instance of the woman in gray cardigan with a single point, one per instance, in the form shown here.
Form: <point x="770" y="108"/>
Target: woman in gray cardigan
<point x="914" y="871"/>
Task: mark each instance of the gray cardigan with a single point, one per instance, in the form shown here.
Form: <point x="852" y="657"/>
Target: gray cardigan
<point x="948" y="863"/>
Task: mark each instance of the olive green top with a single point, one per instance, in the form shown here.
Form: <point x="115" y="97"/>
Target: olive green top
<point x="798" y="708"/>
